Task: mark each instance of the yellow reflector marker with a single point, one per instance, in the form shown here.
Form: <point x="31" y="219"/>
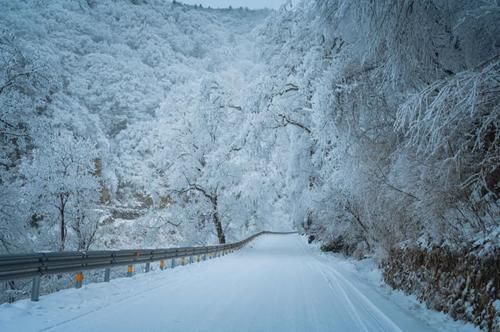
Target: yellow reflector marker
<point x="130" y="270"/>
<point x="79" y="277"/>
<point x="79" y="280"/>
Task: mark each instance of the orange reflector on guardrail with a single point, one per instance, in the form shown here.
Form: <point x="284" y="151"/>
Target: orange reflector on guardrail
<point x="79" y="277"/>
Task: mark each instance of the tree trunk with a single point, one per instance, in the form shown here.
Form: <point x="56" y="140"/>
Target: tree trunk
<point x="62" y="205"/>
<point x="218" y="224"/>
<point x="218" y="228"/>
<point x="212" y="197"/>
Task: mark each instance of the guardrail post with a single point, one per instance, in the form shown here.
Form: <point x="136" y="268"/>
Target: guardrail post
<point x="130" y="270"/>
<point x="162" y="265"/>
<point x="79" y="280"/>
<point x="35" y="289"/>
<point x="107" y="274"/>
<point x="148" y="267"/>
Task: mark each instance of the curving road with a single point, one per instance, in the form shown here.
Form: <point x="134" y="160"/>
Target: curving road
<point x="277" y="283"/>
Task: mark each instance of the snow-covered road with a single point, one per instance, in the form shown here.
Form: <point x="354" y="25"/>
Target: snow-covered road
<point x="277" y="283"/>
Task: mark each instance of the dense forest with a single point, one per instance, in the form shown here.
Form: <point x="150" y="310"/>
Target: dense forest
<point x="370" y="126"/>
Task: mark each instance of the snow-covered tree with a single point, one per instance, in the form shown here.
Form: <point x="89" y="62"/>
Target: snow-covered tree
<point x="61" y="186"/>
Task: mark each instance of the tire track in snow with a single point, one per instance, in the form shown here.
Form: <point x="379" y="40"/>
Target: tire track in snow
<point x="363" y="306"/>
<point x="351" y="309"/>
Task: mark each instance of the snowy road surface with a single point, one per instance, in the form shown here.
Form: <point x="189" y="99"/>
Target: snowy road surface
<point x="277" y="283"/>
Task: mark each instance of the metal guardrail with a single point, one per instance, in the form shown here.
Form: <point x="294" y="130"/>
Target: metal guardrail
<point x="35" y="265"/>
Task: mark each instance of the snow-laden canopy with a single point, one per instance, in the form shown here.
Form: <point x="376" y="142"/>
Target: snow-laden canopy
<point x="140" y="124"/>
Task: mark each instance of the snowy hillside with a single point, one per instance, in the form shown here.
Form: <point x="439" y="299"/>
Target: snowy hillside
<point x="145" y="85"/>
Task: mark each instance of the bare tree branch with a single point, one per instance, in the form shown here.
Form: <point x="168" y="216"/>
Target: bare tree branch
<point x="285" y="121"/>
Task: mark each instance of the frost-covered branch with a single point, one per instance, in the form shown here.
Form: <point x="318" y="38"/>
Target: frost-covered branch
<point x="285" y="120"/>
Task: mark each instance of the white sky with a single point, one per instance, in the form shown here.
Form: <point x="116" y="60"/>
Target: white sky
<point x="236" y="3"/>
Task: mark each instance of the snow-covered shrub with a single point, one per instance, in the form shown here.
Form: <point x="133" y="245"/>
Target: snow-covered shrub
<point x="453" y="126"/>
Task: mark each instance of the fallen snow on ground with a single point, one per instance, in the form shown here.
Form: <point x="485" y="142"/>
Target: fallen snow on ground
<point x="277" y="283"/>
<point x="368" y="279"/>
